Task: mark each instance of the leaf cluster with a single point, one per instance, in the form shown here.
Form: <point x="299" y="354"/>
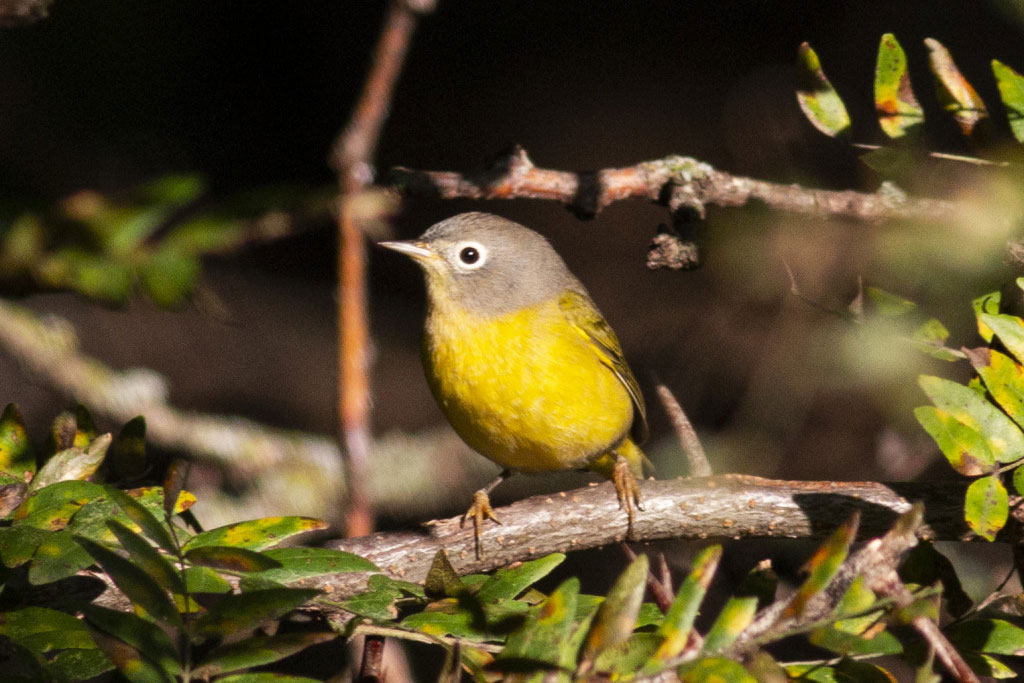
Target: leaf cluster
<point x="148" y="239"/>
<point x="206" y="605"/>
<point x="899" y="113"/>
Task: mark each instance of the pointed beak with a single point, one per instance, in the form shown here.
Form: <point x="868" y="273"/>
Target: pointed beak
<point x="413" y="249"/>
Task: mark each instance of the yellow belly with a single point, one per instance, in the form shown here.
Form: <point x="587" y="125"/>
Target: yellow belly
<point x="525" y="389"/>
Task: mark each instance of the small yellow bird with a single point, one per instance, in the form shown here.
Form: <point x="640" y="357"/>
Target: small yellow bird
<point x="521" y="361"/>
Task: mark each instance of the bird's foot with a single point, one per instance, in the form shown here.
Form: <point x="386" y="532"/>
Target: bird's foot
<point x="479" y="511"/>
<point x="628" y="491"/>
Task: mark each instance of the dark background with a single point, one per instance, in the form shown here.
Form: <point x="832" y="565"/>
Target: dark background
<point x="107" y="93"/>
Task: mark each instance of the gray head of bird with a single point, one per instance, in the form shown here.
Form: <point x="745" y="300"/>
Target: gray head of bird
<point x="487" y="264"/>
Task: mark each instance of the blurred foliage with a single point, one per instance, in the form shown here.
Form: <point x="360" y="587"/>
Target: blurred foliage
<point x="216" y="605"/>
<point x="148" y="239"/>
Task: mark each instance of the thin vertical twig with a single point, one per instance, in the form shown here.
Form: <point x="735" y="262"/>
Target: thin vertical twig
<point x="687" y="435"/>
<point x="351" y="158"/>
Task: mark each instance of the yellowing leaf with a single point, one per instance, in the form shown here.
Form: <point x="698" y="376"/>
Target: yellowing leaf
<point x="1011" y="90"/>
<point x="817" y="98"/>
<point x="963" y="446"/>
<point x="1004" y="438"/>
<point x="956" y="94"/>
<point x="897" y="107"/>
<point x="986" y="507"/>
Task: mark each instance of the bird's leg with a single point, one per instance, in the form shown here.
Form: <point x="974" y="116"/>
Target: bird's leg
<point x="623" y="466"/>
<point x="481" y="510"/>
<point x="627" y="490"/>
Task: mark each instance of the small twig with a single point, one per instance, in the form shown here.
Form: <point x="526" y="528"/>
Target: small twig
<point x="697" y="459"/>
<point x="681" y="183"/>
<point x="351" y="157"/>
<point x="371" y="668"/>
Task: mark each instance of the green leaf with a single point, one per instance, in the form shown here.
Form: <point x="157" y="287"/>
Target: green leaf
<point x="1011" y="90"/>
<point x="448" y="619"/>
<point x="735" y="617"/>
<point x="511" y="581"/>
<point x="986" y="507"/>
<point x="890" y="162"/>
<point x="144" y="518"/>
<point x="43" y="630"/>
<point x="257" y="534"/>
<point x="850" y="644"/>
<point x="79" y="664"/>
<point x="17" y="456"/>
<point x="378" y="602"/>
<point x="987" y="304"/>
<point x="545" y="635"/>
<point x="678" y="624"/>
<point x="174" y="483"/>
<point x="127" y="459"/>
<point x="147" y="558"/>
<point x="52" y="507"/>
<point x="138" y="633"/>
<point x="1003" y="378"/>
<point x="992" y="636"/>
<point x="18" y="544"/>
<point x="169" y="275"/>
<point x="246" y="611"/>
<point x="898" y="110"/>
<point x="626" y="658"/>
<point x="231" y="559"/>
<point x="204" y="580"/>
<point x="1009" y="329"/>
<point x="823" y="565"/>
<point x="817" y="98"/>
<point x="264" y="677"/>
<point x="143" y="591"/>
<point x="616" y="616"/>
<point x="442" y="579"/>
<point x="955" y="93"/>
<point x="94" y="275"/>
<point x="257" y="651"/>
<point x="888" y="304"/>
<point x="298" y="563"/>
<point x="964" y="448"/>
<point x="1004" y="438"/>
<point x="1018" y="485"/>
<point x="986" y="665"/>
<point x="72" y="463"/>
<point x="135" y="666"/>
<point x="57" y="557"/>
<point x="153" y="499"/>
<point x="931" y="336"/>
<point x="715" y="670"/>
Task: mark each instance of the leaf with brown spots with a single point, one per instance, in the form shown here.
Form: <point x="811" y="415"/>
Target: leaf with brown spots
<point x="256" y="534"/>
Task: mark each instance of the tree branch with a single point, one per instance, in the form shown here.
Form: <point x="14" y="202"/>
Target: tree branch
<point x="726" y="506"/>
<point x="676" y="181"/>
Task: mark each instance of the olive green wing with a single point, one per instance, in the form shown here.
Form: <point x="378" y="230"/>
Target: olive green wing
<point x="582" y="313"/>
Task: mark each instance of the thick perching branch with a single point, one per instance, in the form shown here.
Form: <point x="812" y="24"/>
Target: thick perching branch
<point x="677" y="181"/>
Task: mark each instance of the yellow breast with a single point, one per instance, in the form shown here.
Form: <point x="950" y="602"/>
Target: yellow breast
<point x="525" y="389"/>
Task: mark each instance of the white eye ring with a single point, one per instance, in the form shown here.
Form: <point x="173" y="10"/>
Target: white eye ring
<point x="470" y="255"/>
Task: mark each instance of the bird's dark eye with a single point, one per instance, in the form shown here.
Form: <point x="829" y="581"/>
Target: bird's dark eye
<point x="469" y="255"/>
